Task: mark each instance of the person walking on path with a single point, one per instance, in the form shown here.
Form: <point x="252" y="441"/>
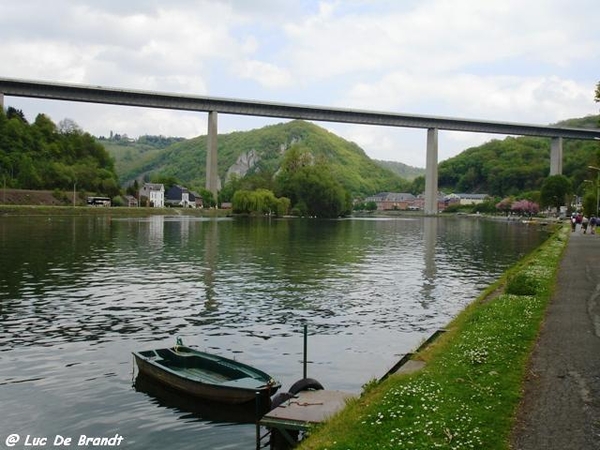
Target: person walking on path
<point x="560" y="409"/>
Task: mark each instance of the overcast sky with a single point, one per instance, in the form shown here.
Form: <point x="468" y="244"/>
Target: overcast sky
<point x="531" y="61"/>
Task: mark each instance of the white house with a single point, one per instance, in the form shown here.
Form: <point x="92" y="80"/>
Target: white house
<point x="152" y="194"/>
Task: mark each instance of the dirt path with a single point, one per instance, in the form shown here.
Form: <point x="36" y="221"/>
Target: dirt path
<point x="561" y="406"/>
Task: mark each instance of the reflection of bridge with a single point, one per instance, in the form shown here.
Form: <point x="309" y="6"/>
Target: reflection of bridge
<point x="213" y="105"/>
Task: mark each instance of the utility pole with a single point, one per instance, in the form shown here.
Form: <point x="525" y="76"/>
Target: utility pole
<point x="597" y="169"/>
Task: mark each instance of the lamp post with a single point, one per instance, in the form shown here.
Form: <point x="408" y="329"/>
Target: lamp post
<point x="597" y="169"/>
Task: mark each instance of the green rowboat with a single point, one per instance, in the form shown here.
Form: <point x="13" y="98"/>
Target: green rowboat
<point x="205" y="375"/>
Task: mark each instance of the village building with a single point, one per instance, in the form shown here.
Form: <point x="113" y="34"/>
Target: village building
<point x="131" y="201"/>
<point x="466" y="199"/>
<point x="389" y="201"/>
<point x="179" y="196"/>
<point x="153" y="195"/>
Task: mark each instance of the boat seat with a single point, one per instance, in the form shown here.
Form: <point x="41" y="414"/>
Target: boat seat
<point x="247" y="383"/>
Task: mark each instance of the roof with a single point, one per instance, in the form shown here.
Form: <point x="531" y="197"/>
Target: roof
<point x="391" y="197"/>
<point x="153" y="186"/>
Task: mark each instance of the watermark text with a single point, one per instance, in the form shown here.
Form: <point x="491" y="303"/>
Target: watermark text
<point x="31" y="441"/>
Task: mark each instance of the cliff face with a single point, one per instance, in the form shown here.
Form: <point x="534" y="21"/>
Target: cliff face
<point x="243" y="164"/>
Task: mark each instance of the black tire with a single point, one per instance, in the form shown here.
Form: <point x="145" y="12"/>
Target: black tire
<point x="280" y="398"/>
<point x="305" y="384"/>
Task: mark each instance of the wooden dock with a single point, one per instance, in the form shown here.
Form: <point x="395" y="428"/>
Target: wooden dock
<point x="305" y="409"/>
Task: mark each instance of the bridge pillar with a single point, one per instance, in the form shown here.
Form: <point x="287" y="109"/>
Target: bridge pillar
<point x="556" y="155"/>
<point x="212" y="176"/>
<point x="431" y="172"/>
<point x="1" y="100"/>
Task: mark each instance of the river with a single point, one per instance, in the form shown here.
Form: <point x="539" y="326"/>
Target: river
<point x="79" y="294"/>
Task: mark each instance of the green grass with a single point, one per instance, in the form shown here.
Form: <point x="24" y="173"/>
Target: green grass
<point x="467" y="395"/>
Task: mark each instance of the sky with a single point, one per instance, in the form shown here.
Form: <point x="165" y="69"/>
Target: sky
<point x="527" y="61"/>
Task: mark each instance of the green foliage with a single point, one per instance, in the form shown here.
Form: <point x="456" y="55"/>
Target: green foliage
<point x="402" y="170"/>
<point x="186" y="160"/>
<point x="40" y="156"/>
<point x="589" y="204"/>
<point x="417" y="186"/>
<point x="513" y="166"/>
<point x="261" y="201"/>
<point x="487" y="207"/>
<point x="311" y="187"/>
<point x="208" y="198"/>
<point x="167" y="180"/>
<point x="521" y="283"/>
<point x="555" y="190"/>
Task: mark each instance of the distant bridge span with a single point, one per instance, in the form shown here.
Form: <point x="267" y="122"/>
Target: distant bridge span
<point x="214" y="105"/>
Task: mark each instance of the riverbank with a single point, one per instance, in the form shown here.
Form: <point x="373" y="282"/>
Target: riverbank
<point x="37" y="210"/>
<point x="468" y="393"/>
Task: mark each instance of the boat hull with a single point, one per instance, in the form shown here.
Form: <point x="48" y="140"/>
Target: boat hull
<point x="232" y="391"/>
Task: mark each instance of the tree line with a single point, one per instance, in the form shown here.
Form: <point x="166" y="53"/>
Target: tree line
<point x="43" y="155"/>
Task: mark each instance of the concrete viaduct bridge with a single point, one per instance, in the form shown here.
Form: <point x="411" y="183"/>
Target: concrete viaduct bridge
<point x="215" y="105"/>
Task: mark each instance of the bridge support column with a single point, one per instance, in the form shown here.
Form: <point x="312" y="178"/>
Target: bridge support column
<point x="2" y="100"/>
<point x="556" y="155"/>
<point x="212" y="176"/>
<point x="431" y="172"/>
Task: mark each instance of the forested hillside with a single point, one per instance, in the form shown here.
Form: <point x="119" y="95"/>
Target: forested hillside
<point x="42" y="155"/>
<point x="514" y="166"/>
<point x="256" y="156"/>
<point x="402" y="170"/>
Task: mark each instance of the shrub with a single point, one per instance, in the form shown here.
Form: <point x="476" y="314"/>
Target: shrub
<point x="521" y="284"/>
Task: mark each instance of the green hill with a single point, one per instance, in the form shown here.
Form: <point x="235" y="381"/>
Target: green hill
<point x="516" y="165"/>
<point x="256" y="153"/>
<point x="501" y="168"/>
<point x="402" y="170"/>
<point x="44" y="156"/>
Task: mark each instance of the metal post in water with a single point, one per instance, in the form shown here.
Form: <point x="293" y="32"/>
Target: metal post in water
<point x="257" y="418"/>
<point x="305" y="350"/>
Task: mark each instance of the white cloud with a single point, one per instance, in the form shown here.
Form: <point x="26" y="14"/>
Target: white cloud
<point x="503" y="60"/>
<point x="265" y="74"/>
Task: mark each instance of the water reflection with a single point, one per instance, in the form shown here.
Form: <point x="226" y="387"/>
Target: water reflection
<point x="430" y="232"/>
<point x="198" y="409"/>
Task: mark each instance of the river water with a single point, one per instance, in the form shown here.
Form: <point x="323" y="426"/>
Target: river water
<point x="79" y="294"/>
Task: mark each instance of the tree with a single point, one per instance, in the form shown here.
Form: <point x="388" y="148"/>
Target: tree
<point x="555" y="190"/>
<point x="417" y="186"/>
<point x="261" y="201"/>
<point x="241" y="202"/>
<point x="69" y="126"/>
<point x="505" y="204"/>
<point x="525" y="207"/>
<point x="310" y="186"/>
<point x="597" y="97"/>
<point x="12" y="113"/>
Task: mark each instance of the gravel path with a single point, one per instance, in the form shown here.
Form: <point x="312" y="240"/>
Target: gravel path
<point x="561" y="405"/>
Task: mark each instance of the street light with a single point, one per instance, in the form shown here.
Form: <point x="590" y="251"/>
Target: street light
<point x="597" y="169"/>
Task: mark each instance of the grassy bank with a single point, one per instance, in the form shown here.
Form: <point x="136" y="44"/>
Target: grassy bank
<point x="467" y="395"/>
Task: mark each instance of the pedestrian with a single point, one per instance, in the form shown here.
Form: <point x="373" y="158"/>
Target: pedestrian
<point x="573" y="222"/>
<point x="584" y="224"/>
<point x="593" y="223"/>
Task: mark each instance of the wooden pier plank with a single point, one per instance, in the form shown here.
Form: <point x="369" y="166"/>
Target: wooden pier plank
<point x="307" y="408"/>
